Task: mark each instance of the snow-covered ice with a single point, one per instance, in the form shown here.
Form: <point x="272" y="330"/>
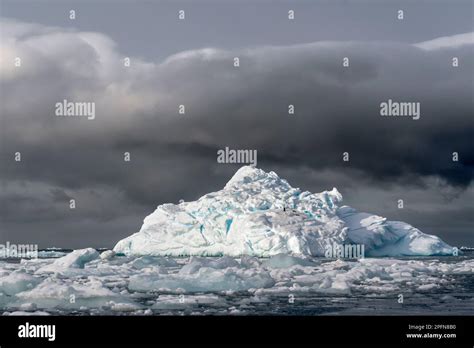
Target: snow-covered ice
<point x="89" y="284"/>
<point x="260" y="214"/>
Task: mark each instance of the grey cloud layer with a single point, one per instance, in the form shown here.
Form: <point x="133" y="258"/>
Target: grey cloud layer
<point x="174" y="156"/>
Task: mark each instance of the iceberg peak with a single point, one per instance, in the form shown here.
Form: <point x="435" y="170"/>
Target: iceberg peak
<point x="253" y="175"/>
<point x="245" y="173"/>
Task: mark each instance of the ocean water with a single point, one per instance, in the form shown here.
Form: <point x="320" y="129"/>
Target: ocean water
<point x="283" y="285"/>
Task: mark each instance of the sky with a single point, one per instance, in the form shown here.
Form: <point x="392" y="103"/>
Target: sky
<point x="190" y="62"/>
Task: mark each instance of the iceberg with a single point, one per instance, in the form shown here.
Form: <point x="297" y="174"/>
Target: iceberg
<point x="260" y="214"/>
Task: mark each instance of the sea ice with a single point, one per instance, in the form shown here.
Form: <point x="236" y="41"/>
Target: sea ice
<point x="135" y="285"/>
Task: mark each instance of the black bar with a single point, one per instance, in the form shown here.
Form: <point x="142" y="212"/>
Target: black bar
<point x="242" y="330"/>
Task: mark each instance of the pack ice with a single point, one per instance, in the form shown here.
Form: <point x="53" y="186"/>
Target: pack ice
<point x="260" y="214"/>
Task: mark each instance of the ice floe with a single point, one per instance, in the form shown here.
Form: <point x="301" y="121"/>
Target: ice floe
<point x="84" y="283"/>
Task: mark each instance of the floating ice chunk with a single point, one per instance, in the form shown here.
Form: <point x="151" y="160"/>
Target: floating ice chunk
<point x="448" y="298"/>
<point x="28" y="306"/>
<point x="61" y="289"/>
<point x="18" y="281"/>
<point x="147" y="261"/>
<point x="204" y="280"/>
<point x="51" y="253"/>
<point x="196" y="263"/>
<point x="184" y="302"/>
<point x="340" y="286"/>
<point x="286" y="261"/>
<point x="464" y="267"/>
<point x="76" y="259"/>
<point x="427" y="287"/>
<point x="23" y="313"/>
<point x="123" y="306"/>
<point x="249" y="261"/>
<point x="63" y="293"/>
<point x="107" y="255"/>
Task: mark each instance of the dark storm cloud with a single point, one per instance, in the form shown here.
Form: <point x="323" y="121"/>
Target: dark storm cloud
<point x="174" y="156"/>
<point x="150" y="29"/>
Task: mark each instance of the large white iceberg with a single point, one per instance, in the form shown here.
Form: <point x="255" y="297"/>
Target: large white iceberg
<point x="260" y="214"/>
